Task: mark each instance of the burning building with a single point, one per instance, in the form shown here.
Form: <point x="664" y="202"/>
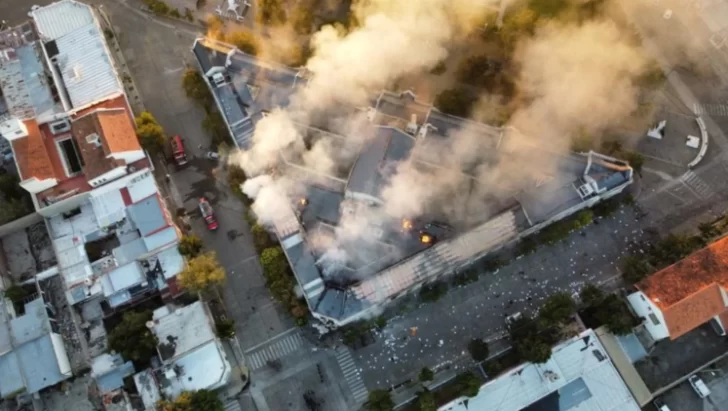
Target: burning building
<point x="402" y="207"/>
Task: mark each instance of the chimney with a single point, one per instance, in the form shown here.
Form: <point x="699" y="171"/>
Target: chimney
<point x="412" y="125"/>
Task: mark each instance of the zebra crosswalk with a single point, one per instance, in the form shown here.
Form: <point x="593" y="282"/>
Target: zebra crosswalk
<point x="232" y="405"/>
<point x="710" y="109"/>
<point x="351" y="375"/>
<point x="280" y="348"/>
<point x="697" y="185"/>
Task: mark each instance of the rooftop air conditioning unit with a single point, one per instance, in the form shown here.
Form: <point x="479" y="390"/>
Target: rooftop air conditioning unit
<point x="585" y="190"/>
<point x="61" y="126"/>
<point x="218" y="79"/>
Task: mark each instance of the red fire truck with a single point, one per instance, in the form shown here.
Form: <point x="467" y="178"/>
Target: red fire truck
<point x="178" y="151"/>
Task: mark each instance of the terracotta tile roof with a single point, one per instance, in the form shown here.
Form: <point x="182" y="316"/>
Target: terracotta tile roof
<point x="32" y="155"/>
<point x="118" y="131"/>
<point x="689" y="292"/>
<point x="693" y="311"/>
<point x="115" y="134"/>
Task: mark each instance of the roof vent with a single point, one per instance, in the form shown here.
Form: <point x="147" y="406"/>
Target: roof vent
<point x="93" y="138"/>
<point x="77" y="72"/>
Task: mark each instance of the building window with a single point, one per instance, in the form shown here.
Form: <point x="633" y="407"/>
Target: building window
<point x="654" y="319"/>
<point x="72" y="161"/>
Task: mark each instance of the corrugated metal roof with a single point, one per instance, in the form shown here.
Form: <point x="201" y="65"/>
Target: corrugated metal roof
<point x="86" y="67"/>
<point x="147" y="215"/>
<point x="60" y="18"/>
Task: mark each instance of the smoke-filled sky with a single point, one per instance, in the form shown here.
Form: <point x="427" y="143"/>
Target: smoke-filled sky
<point x="571" y="79"/>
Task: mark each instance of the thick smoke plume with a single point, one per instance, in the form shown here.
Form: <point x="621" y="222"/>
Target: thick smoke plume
<point x="573" y="79"/>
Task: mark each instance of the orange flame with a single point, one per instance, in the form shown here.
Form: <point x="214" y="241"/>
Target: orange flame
<point x="426" y="238"/>
<point x="406" y="224"/>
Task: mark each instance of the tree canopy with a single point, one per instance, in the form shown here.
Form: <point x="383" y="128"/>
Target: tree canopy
<point x="591" y="295"/>
<point x="151" y="134"/>
<point x="202" y="272"/>
<point x="556" y="309"/>
<point x="280" y="281"/>
<point x="426" y="374"/>
<point x="132" y="339"/>
<point x="245" y="41"/>
<point x="202" y="400"/>
<point x="379" y="400"/>
<point x="196" y="88"/>
<point x="468" y="384"/>
<point x="426" y="401"/>
<point x="478" y="349"/>
<point x="455" y="101"/>
<point x="190" y="246"/>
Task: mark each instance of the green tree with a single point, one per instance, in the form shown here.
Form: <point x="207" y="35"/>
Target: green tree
<point x="613" y="313"/>
<point x="635" y="268"/>
<point x="480" y="70"/>
<point x="16" y="293"/>
<point x="591" y="295"/>
<point x="531" y="343"/>
<point x="556" y="309"/>
<point x="202" y="400"/>
<point x="426" y="401"/>
<point x="196" y="88"/>
<point x="455" y="101"/>
<point x="468" y="384"/>
<point x="261" y="238"/>
<point x="280" y="283"/>
<point x="225" y="328"/>
<point x="244" y="41"/>
<point x="379" y="400"/>
<point x="636" y="160"/>
<point x="674" y="247"/>
<point x="235" y="178"/>
<point x="132" y="339"/>
<point x="708" y="230"/>
<point x="426" y="374"/>
<point x="202" y="272"/>
<point x="583" y="218"/>
<point x="432" y="292"/>
<point x="215" y="125"/>
<point x="478" y="349"/>
<point x="14" y="209"/>
<point x="271" y="12"/>
<point x="190" y="246"/>
<point x="10" y="186"/>
<point x="150" y="133"/>
<point x="534" y="349"/>
<point x="548" y="8"/>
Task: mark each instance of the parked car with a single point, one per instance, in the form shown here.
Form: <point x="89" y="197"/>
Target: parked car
<point x="208" y="214"/>
<point x="699" y="386"/>
<point x="513" y="318"/>
<point x="211" y="155"/>
<point x="660" y="405"/>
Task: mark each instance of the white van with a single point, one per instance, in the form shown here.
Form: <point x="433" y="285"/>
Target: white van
<point x="699" y="386"/>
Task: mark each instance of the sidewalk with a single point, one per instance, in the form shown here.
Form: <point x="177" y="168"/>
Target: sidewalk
<point x="408" y="393"/>
<point x="239" y="377"/>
